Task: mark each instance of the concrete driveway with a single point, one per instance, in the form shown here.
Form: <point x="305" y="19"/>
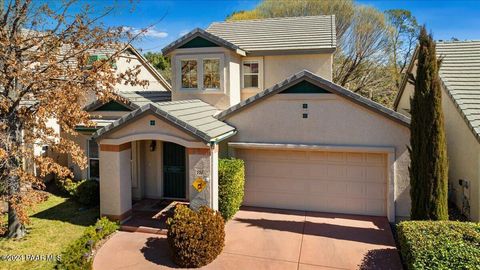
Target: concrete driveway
<point x="259" y="238"/>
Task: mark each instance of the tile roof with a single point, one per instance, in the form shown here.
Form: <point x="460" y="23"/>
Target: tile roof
<point x="193" y="116"/>
<point x="320" y="82"/>
<point x="279" y="34"/>
<point x="460" y="74"/>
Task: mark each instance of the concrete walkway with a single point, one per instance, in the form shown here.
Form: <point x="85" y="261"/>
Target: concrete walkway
<point x="260" y="238"/>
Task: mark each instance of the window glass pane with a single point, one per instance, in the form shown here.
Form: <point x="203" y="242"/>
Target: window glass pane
<point x="94" y="168"/>
<point x="92" y="149"/>
<point x="189" y="73"/>
<point x="211" y="73"/>
<point x="250" y="81"/>
<point x="250" y="67"/>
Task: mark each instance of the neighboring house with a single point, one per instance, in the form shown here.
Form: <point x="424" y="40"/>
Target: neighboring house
<point x="158" y="89"/>
<point x="261" y="91"/>
<point x="460" y="77"/>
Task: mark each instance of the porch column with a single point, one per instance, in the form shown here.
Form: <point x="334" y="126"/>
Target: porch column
<point x="115" y="181"/>
<point x="203" y="164"/>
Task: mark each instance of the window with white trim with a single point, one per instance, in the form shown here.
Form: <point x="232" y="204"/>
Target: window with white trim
<point x="189" y="73"/>
<point x="93" y="160"/>
<point x="199" y="72"/>
<point x="251" y="73"/>
<point x="211" y="73"/>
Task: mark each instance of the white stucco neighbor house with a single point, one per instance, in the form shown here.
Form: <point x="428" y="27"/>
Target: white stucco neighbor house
<point x="460" y="77"/>
<point x="259" y="90"/>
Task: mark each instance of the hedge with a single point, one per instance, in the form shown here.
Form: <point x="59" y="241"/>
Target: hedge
<point x="439" y="244"/>
<point x="196" y="238"/>
<point x="79" y="255"/>
<point x="231" y="182"/>
<point x="86" y="192"/>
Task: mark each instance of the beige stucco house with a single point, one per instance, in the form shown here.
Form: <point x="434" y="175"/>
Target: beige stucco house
<point x="460" y="77"/>
<point x="261" y="91"/>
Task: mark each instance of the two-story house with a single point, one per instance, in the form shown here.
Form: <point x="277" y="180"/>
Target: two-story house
<point x="259" y="90"/>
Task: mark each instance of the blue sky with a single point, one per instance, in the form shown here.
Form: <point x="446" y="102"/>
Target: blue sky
<point x="446" y="19"/>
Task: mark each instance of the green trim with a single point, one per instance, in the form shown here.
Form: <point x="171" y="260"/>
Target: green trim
<point x="198" y="42"/>
<point x="113" y="106"/>
<point x="87" y="129"/>
<point x="304" y="87"/>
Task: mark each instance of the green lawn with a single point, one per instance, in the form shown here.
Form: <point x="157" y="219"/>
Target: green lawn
<point x="54" y="224"/>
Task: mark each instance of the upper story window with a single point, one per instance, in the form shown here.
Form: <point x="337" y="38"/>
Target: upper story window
<point x="189" y="73"/>
<point x="199" y="72"/>
<point x="250" y="74"/>
<point x="211" y="73"/>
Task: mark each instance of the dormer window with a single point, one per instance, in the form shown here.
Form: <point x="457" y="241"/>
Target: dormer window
<point x="211" y="73"/>
<point x="202" y="72"/>
<point x="189" y="74"/>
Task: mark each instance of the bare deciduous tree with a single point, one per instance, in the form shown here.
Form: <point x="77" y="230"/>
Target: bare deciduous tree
<point x="46" y="73"/>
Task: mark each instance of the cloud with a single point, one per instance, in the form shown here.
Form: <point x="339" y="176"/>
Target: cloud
<point x="150" y="32"/>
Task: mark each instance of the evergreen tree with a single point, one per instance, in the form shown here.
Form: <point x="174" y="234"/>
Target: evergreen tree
<point x="428" y="153"/>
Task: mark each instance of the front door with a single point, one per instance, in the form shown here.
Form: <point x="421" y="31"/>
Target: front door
<point x="174" y="178"/>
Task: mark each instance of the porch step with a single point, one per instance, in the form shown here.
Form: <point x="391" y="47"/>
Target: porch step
<point x="143" y="229"/>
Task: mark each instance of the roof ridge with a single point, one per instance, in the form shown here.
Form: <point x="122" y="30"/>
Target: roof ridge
<point x="271" y="19"/>
<point x="457" y="41"/>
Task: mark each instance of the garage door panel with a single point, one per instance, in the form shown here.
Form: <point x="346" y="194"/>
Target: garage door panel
<point x="376" y="191"/>
<point x="353" y="183"/>
<point x="375" y="174"/>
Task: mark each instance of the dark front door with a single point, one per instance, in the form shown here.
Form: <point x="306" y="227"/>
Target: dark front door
<point x="174" y="178"/>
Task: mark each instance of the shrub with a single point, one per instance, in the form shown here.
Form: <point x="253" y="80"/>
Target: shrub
<point x="196" y="238"/>
<point x="68" y="186"/>
<point x="79" y="254"/>
<point x="88" y="192"/>
<point x="439" y="244"/>
<point x="231" y="182"/>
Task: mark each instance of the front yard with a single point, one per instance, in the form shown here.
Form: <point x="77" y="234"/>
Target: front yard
<point x="54" y="224"/>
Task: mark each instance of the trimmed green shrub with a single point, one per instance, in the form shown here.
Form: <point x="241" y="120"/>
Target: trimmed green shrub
<point x="68" y="186"/>
<point x="88" y="193"/>
<point x="231" y="182"/>
<point x="439" y="244"/>
<point x="196" y="238"/>
<point x="79" y="254"/>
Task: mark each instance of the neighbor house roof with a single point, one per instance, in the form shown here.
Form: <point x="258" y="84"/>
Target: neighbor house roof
<point x="193" y="116"/>
<point x="309" y="33"/>
<point x="329" y="86"/>
<point x="134" y="99"/>
<point x="460" y="75"/>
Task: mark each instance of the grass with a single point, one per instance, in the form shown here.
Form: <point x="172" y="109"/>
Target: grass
<point x="54" y="224"/>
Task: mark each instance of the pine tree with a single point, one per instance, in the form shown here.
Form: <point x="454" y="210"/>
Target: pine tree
<point x="428" y="153"/>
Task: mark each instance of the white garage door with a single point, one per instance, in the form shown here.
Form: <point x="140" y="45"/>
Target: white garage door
<point x="338" y="182"/>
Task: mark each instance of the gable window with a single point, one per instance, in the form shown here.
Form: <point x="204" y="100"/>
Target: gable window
<point x="250" y="74"/>
<point x="189" y="73"/>
<point x="93" y="160"/>
<point x="211" y="73"/>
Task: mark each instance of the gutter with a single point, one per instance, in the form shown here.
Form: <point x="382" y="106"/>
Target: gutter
<point x="222" y="137"/>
